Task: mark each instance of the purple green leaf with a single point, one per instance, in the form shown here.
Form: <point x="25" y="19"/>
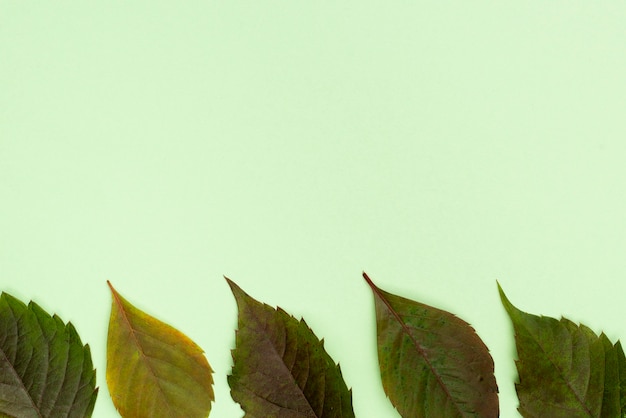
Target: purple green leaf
<point x="432" y="363"/>
<point x="281" y="368"/>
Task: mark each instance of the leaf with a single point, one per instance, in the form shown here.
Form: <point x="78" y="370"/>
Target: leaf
<point x="281" y="368"/>
<point x="565" y="370"/>
<point x="154" y="370"/>
<point x="612" y="397"/>
<point x="45" y="371"/>
<point x="432" y="364"/>
<point x="621" y="360"/>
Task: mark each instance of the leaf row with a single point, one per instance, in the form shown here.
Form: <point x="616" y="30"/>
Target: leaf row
<point x="432" y="365"/>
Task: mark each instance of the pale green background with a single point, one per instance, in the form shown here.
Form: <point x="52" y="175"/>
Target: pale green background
<point x="290" y="145"/>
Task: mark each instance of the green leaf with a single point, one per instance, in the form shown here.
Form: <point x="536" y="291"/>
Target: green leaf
<point x="281" y="368"/>
<point x="45" y="371"/>
<point x="621" y="361"/>
<point x="565" y="370"/>
<point x="153" y="370"/>
<point x="612" y="400"/>
<point x="432" y="364"/>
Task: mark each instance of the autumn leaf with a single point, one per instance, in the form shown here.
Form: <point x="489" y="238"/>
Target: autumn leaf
<point x="153" y="370"/>
<point x="281" y="368"/>
<point x="432" y="364"/>
<point x="45" y="371"/>
<point x="565" y="370"/>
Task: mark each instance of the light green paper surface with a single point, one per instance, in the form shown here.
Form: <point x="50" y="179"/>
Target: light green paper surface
<point x="289" y="146"/>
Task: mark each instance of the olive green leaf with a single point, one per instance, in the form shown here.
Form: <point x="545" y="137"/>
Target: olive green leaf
<point x="432" y="364"/>
<point x="45" y="370"/>
<point x="565" y="370"/>
<point x="281" y="368"/>
<point x="153" y="370"/>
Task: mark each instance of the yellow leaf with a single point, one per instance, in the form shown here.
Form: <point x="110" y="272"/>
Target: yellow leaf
<point x="154" y="370"/>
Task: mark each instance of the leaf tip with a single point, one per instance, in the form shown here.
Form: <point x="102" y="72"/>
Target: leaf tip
<point x="368" y="280"/>
<point x="501" y="292"/>
<point x="237" y="291"/>
<point x="111" y="286"/>
<point x="508" y="306"/>
<point x="231" y="284"/>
